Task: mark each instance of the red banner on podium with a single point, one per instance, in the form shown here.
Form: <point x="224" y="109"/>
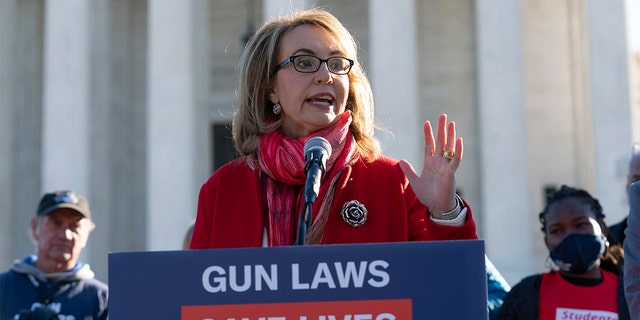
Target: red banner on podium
<point x="329" y="310"/>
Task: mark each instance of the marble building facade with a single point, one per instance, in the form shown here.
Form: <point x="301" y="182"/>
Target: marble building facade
<point x="129" y="102"/>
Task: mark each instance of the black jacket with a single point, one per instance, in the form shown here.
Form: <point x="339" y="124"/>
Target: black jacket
<point x="617" y="230"/>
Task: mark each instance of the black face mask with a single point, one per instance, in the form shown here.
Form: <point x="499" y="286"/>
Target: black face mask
<point x="578" y="253"/>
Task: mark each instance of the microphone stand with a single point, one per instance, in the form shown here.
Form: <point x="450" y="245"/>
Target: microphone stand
<point x="309" y="197"/>
<point x="304" y="223"/>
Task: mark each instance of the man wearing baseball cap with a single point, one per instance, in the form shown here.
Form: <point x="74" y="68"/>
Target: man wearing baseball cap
<point x="53" y="284"/>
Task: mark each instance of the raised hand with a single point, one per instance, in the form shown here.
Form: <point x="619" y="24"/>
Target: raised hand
<point x="436" y="184"/>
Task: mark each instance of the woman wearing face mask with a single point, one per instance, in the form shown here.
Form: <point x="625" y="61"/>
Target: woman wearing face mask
<point x="585" y="280"/>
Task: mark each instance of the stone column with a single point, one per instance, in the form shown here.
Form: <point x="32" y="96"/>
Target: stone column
<point x="394" y="78"/>
<point x="26" y="79"/>
<point x="503" y="152"/>
<point x="172" y="187"/>
<point x="7" y="43"/>
<point x="65" y="120"/>
<point x="610" y="104"/>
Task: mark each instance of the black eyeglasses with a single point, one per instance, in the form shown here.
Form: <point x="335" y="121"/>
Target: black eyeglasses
<point x="311" y="64"/>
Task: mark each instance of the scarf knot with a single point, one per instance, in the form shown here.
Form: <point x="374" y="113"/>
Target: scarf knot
<point x="281" y="163"/>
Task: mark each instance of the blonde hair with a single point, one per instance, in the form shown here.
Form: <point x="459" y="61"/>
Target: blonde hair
<point x="257" y="68"/>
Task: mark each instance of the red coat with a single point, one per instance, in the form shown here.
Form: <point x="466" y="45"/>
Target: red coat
<point x="231" y="209"/>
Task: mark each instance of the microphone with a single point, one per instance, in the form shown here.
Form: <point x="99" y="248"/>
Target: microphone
<point x="316" y="152"/>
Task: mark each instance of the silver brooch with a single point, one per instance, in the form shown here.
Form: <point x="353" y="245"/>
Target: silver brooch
<point x="354" y="213"/>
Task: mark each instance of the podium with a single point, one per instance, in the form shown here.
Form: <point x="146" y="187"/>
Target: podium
<point x="382" y="281"/>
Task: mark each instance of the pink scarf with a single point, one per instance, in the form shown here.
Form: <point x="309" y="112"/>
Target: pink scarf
<point x="281" y="159"/>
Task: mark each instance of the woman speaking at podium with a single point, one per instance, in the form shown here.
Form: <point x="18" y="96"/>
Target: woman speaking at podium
<point x="305" y="113"/>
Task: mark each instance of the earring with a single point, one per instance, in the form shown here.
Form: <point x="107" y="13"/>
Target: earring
<point x="550" y="264"/>
<point x="277" y="108"/>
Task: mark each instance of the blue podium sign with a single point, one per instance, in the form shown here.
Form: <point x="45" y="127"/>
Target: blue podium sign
<point x="384" y="281"/>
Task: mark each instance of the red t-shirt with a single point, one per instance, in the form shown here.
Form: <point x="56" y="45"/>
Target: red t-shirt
<point x="560" y="299"/>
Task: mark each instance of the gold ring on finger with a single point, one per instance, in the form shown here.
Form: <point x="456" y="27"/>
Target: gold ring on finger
<point x="448" y="154"/>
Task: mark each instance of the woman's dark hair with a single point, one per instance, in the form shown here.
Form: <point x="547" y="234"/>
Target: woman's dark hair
<point x="613" y="259"/>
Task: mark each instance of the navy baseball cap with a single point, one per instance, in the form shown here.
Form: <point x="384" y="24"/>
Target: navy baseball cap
<point x="63" y="199"/>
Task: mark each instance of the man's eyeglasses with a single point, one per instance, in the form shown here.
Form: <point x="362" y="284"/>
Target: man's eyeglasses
<point x="311" y="64"/>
